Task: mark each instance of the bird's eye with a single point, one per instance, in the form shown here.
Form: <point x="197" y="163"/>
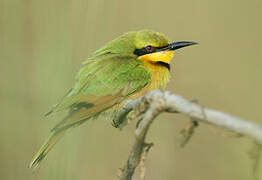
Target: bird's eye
<point x="149" y="48"/>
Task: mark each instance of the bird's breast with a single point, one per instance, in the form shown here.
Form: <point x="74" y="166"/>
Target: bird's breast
<point x="159" y="78"/>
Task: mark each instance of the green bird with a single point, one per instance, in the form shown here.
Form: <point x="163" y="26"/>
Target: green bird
<point x="124" y="69"/>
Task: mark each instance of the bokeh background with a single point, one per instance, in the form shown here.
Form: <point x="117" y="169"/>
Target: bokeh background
<point x="42" y="45"/>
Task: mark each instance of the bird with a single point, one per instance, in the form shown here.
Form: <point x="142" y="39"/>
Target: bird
<point x="124" y="69"/>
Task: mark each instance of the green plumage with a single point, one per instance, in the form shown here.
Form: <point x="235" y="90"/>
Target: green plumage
<point x="125" y="68"/>
<point x="107" y="78"/>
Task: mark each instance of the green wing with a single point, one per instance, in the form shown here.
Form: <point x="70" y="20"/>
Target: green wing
<point x="103" y="82"/>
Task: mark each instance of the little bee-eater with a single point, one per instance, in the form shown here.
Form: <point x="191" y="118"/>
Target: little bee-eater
<point x="123" y="69"/>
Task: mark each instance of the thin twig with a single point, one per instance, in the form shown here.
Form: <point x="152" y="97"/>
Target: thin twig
<point x="188" y="132"/>
<point x="254" y="155"/>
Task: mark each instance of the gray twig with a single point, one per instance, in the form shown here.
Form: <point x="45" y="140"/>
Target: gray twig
<point x="155" y="102"/>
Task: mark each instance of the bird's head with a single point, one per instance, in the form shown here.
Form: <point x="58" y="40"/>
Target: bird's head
<point x="146" y="45"/>
<point x="155" y="47"/>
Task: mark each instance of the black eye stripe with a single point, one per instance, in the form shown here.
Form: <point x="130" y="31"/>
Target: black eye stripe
<point x="145" y="50"/>
<point x="149" y="49"/>
<point x="140" y="52"/>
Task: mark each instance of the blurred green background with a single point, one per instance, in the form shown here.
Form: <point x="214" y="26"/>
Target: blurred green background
<point x="42" y="45"/>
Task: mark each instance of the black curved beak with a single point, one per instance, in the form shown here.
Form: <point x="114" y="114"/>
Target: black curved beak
<point x="177" y="45"/>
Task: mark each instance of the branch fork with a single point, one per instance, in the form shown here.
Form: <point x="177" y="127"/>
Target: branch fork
<point x="149" y="106"/>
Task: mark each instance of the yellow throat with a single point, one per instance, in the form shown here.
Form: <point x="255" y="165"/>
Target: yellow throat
<point x="159" y="73"/>
<point x="162" y="56"/>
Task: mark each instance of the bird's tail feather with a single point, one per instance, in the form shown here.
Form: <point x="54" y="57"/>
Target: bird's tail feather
<point x="46" y="147"/>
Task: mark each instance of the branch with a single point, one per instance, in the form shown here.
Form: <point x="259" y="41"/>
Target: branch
<point x="148" y="107"/>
